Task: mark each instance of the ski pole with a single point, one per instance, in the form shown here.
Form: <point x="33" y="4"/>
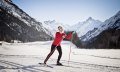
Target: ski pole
<point x="69" y="55"/>
<point x="70" y="49"/>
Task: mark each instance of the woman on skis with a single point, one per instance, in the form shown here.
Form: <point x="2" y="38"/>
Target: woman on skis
<point x="59" y="36"/>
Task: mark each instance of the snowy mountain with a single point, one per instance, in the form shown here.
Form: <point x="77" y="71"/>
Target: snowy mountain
<point x="52" y="26"/>
<point x="95" y="34"/>
<point x="107" y="35"/>
<point x="112" y="22"/>
<point x="16" y="24"/>
<point x="83" y="27"/>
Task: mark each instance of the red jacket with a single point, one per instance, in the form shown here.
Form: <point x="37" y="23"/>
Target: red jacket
<point x="59" y="38"/>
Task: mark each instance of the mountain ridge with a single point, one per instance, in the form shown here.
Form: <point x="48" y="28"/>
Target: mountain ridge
<point x="18" y="25"/>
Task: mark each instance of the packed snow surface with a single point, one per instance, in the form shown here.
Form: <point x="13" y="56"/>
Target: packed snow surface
<point x="24" y="57"/>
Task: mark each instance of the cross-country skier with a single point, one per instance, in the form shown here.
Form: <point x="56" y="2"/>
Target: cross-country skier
<point x="60" y="35"/>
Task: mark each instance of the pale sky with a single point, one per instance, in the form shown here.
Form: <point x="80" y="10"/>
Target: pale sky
<point x="69" y="11"/>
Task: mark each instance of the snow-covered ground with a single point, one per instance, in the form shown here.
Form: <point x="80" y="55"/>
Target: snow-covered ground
<point x="24" y="57"/>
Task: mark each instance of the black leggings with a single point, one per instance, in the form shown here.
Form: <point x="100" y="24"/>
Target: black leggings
<point x="59" y="51"/>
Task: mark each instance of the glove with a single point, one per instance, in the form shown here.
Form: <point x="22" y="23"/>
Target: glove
<point x="72" y="31"/>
